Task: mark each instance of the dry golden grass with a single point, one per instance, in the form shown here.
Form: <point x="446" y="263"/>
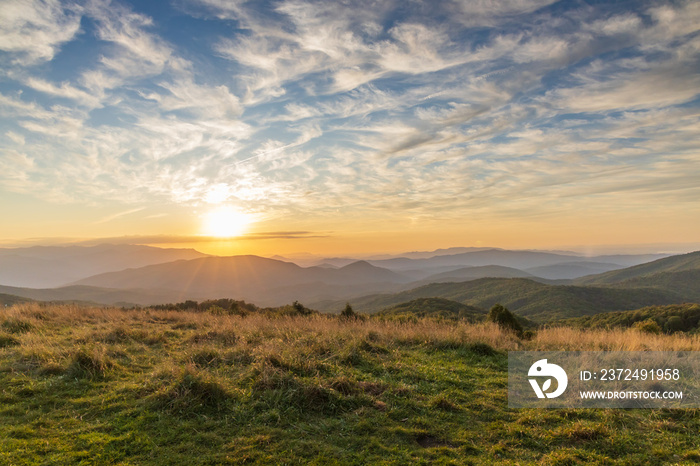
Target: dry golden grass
<point x="269" y="334"/>
<point x="570" y="339"/>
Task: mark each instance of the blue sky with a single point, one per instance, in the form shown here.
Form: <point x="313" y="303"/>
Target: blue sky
<point x="461" y="121"/>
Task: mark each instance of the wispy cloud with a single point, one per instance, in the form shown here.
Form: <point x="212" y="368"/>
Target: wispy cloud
<point x="124" y="213"/>
<point x="194" y="239"/>
<point x="32" y="31"/>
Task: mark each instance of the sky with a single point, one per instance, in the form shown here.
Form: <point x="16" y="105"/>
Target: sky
<point x="337" y="127"/>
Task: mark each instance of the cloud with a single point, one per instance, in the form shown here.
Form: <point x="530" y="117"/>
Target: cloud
<point x="490" y="13"/>
<point x="204" y="101"/>
<point x="65" y="90"/>
<point x="109" y="218"/>
<point x="192" y="239"/>
<point x="136" y="51"/>
<point x="33" y="31"/>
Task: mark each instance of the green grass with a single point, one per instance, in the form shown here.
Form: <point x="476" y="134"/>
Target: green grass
<point x="95" y="386"/>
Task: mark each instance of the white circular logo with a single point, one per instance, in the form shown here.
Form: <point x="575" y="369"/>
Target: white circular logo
<point x="542" y="368"/>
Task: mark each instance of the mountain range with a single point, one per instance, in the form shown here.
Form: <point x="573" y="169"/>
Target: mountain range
<point x="538" y="285"/>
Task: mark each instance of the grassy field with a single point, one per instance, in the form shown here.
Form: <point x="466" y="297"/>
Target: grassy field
<point x="110" y="386"/>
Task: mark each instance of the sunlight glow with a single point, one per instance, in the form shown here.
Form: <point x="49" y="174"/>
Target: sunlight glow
<point x="225" y="222"/>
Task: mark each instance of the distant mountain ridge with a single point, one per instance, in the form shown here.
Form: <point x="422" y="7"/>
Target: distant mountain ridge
<point x="482" y="256"/>
<point x="515" y="259"/>
<point x="53" y="266"/>
<point x="253" y="278"/>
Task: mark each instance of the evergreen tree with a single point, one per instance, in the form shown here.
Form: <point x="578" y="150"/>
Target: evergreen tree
<point x="348" y="312"/>
<point x="505" y="319"/>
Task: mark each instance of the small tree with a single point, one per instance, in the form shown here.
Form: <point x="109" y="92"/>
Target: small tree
<point x="300" y="309"/>
<point x="348" y="312"/>
<point x="505" y="319"/>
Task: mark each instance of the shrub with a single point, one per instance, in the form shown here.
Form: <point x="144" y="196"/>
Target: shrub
<point x="217" y="310"/>
<point x="674" y="324"/>
<point x="505" y="319"/>
<point x="648" y="326"/>
<point x="300" y="309"/>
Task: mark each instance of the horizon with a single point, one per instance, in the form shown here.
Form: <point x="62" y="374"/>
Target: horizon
<point x="304" y="257"/>
<point x="332" y="129"/>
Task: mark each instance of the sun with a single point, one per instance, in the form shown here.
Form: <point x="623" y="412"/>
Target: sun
<point x="225" y="222"/>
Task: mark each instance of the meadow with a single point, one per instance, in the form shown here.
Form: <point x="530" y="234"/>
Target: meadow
<point x="89" y="385"/>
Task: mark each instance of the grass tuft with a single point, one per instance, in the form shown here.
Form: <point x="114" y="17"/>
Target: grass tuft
<point x="118" y="335"/>
<point x="14" y="325"/>
<point x="481" y="349"/>
<point x="89" y="363"/>
<point x="193" y="392"/>
<point x="224" y="337"/>
<point x="441" y="402"/>
<point x="206" y="357"/>
<point x="8" y="340"/>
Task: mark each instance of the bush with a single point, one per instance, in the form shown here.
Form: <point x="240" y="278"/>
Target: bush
<point x="674" y="324"/>
<point x="505" y="319"/>
<point x="217" y="310"/>
<point x="300" y="309"/>
<point x="648" y="326"/>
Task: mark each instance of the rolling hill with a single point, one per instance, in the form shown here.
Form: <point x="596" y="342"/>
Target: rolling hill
<point x="90" y="295"/>
<point x="572" y="270"/>
<point x="528" y="298"/>
<point x="435" y="308"/>
<point x="683" y="262"/>
<point x="9" y="299"/>
<point x="473" y="273"/>
<point x="685" y="283"/>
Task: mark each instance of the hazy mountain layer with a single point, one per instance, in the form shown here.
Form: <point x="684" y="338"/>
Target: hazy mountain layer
<point x="263" y="281"/>
<point x="52" y="266"/>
